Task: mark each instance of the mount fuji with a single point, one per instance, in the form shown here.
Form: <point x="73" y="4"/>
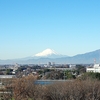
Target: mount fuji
<point x="48" y="53"/>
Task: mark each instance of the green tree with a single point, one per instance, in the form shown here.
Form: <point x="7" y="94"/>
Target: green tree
<point x="8" y="71"/>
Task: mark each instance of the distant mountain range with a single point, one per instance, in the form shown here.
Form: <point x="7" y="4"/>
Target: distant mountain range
<point x="49" y="55"/>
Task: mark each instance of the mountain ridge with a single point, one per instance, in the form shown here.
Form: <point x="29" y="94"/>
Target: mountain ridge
<point x="85" y="58"/>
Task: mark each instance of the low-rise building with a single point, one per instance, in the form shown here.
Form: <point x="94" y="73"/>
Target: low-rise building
<point x="95" y="68"/>
<point x="6" y="76"/>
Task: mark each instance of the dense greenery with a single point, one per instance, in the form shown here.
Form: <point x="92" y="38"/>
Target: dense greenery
<point x="9" y="71"/>
<point x="90" y="75"/>
<point x="69" y="75"/>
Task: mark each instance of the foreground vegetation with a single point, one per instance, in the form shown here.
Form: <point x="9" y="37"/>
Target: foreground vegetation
<point x="87" y="88"/>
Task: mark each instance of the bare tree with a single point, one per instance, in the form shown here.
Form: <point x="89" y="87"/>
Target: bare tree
<point x="24" y="88"/>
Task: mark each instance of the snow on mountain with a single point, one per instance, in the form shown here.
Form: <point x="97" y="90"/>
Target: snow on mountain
<point x="46" y="53"/>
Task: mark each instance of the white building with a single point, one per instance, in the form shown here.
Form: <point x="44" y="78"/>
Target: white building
<point x="95" y="68"/>
<point x="53" y="64"/>
<point x="49" y="64"/>
<point x="7" y="76"/>
<point x="72" y="66"/>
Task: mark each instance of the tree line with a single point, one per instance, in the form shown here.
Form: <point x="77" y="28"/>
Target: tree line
<point x="78" y="89"/>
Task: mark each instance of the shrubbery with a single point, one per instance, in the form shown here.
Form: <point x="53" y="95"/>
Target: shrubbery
<point x="72" y="90"/>
<point x="87" y="89"/>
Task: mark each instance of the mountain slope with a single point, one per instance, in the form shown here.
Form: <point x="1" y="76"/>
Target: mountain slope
<point x="48" y="56"/>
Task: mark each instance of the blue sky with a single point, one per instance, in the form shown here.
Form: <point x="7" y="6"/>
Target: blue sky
<point x="69" y="27"/>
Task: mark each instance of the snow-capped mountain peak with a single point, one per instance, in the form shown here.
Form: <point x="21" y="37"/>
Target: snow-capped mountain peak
<point x="46" y="53"/>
